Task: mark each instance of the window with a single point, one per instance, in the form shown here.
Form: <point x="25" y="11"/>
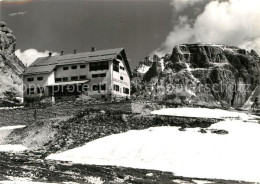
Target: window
<point x="95" y="87"/>
<point x="40" y="90"/>
<point x="95" y="75"/>
<point x="82" y="66"/>
<point x="58" y="79"/>
<point x="82" y="77"/>
<point x="30" y="91"/>
<point x="65" y="78"/>
<point x="121" y="78"/>
<point x="104" y="65"/>
<point x="103" y="87"/>
<point x="99" y="75"/>
<point x="98" y="66"/>
<point x="126" y="90"/>
<point x="116" y="87"/>
<point x="65" y="68"/>
<point x="30" y="79"/>
<point x="74" y="67"/>
<point x="122" y="68"/>
<point x="39" y="78"/>
<point x="119" y="57"/>
<point x="102" y="75"/>
<point x="93" y="67"/>
<point x="115" y="65"/>
<point x="74" y="78"/>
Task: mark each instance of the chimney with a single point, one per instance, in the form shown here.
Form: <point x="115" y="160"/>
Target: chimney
<point x="93" y="49"/>
<point x="75" y="51"/>
<point x="62" y="52"/>
<point x="50" y="54"/>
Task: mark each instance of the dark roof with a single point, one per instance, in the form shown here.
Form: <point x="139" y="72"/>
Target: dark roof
<point x="39" y="69"/>
<point x="47" y="64"/>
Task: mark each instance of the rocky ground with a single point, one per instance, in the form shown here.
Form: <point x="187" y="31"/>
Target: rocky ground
<point x="30" y="165"/>
<point x="65" y="133"/>
<point x="59" y="134"/>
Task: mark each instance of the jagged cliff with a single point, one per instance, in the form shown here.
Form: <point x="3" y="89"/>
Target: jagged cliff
<point x="202" y="74"/>
<point x="11" y="67"/>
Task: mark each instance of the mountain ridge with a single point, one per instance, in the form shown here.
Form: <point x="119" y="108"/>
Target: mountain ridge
<point x="207" y="74"/>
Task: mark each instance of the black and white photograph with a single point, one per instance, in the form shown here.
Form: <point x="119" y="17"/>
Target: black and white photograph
<point x="129" y="91"/>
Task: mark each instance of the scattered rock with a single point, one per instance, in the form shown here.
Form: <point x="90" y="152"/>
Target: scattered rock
<point x="221" y="132"/>
<point x="202" y="131"/>
<point x="182" y="129"/>
<point x="52" y="168"/>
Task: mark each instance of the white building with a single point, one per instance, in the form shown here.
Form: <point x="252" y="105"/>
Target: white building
<point x="104" y="73"/>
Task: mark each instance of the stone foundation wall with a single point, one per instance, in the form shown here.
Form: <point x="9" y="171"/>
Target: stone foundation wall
<point x="27" y="115"/>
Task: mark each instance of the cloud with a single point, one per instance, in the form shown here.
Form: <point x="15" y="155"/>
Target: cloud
<point x="233" y="22"/>
<point x="30" y="55"/>
<point x="252" y="44"/>
<point x="180" y="5"/>
<point x="18" y="13"/>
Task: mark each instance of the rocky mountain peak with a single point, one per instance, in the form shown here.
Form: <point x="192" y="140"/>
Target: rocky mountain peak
<point x="208" y="74"/>
<point x="11" y="67"/>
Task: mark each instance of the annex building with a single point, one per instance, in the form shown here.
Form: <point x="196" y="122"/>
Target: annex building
<point x="101" y="74"/>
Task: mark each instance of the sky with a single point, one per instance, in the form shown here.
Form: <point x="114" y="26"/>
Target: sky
<point x="142" y="27"/>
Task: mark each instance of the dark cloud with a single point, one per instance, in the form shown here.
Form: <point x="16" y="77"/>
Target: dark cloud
<point x="138" y="26"/>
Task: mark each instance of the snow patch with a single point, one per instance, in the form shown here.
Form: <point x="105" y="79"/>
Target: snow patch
<point x="149" y="174"/>
<point x="192" y="76"/>
<point x="19" y="180"/>
<point x="202" y="113"/>
<point x="143" y="69"/>
<point x="94" y="180"/>
<point x="22" y="182"/>
<point x="12" y="127"/>
<point x="12" y="148"/>
<point x="28" y="181"/>
<point x="191" y="92"/>
<point x="250" y="100"/>
<point x="162" y="64"/>
<point x="202" y="181"/>
<point x="180" y="181"/>
<point x="5" y="131"/>
<point x="187" y="153"/>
